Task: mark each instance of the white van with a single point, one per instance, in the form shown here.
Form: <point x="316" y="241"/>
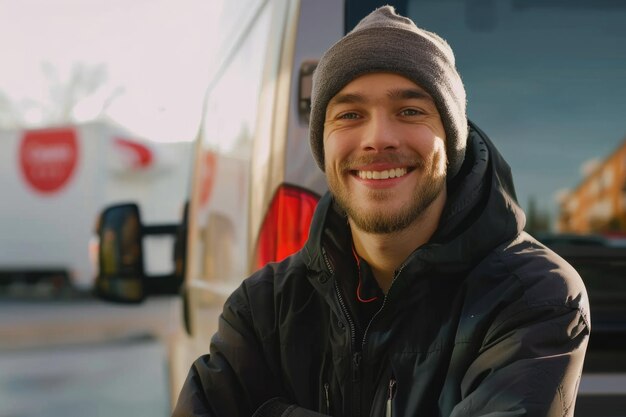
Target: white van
<point x="544" y="78"/>
<point x="55" y="180"/>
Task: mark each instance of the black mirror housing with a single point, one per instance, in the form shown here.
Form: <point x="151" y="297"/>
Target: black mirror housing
<point x="121" y="271"/>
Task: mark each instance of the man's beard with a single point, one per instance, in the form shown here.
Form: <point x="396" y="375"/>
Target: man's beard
<point x="382" y="221"/>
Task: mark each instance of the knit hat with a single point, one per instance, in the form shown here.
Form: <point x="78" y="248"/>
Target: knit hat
<point x="387" y="42"/>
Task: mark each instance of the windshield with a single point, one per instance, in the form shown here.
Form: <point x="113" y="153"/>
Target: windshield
<point x="546" y="80"/>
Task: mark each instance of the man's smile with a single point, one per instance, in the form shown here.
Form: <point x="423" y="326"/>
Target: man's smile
<point x="382" y="175"/>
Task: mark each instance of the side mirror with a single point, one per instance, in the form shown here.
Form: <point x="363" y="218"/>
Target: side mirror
<point x="305" y="89"/>
<point x="120" y="272"/>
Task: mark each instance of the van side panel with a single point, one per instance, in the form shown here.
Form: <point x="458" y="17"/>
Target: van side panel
<point x="311" y="42"/>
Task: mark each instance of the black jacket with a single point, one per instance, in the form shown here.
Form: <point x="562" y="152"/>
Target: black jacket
<point x="483" y="320"/>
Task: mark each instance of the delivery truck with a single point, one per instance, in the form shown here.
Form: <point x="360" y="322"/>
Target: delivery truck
<point x="54" y="181"/>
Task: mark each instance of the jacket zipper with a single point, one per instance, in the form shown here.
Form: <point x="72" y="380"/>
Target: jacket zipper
<point x="392" y="382"/>
<point x="356" y="384"/>
<point x="390" y="397"/>
<point x="327" y="397"/>
<point x="382" y="306"/>
<point x="342" y="303"/>
<point x="356" y="355"/>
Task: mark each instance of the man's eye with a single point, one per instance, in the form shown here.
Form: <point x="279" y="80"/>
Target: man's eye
<point x="349" y="116"/>
<point x="410" y="112"/>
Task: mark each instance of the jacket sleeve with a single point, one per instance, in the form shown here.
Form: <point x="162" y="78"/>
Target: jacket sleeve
<point x="236" y="378"/>
<point x="530" y="364"/>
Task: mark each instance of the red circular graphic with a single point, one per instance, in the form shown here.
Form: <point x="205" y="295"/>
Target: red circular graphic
<point x="48" y="158"/>
<point x="207" y="177"/>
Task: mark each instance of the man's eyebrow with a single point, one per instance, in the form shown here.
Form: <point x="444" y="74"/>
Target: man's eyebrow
<point x="408" y="93"/>
<point x="347" y="98"/>
<point x="395" y="94"/>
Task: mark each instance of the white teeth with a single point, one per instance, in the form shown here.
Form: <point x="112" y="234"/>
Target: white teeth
<point x="382" y="175"/>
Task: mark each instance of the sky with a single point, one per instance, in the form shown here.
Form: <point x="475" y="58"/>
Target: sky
<point x="154" y="56"/>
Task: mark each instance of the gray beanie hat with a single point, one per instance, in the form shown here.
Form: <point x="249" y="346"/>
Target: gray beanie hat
<point x="387" y="42"/>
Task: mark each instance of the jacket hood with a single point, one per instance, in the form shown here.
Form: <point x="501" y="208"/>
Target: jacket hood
<point x="481" y="213"/>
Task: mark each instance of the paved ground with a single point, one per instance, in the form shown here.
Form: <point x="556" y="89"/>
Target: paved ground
<point x="119" y="379"/>
<point x="84" y="357"/>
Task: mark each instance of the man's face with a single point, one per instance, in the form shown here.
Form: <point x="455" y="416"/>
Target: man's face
<point x="384" y="150"/>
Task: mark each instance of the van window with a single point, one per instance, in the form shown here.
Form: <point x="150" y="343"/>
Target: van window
<point x="546" y="81"/>
<point x="232" y="15"/>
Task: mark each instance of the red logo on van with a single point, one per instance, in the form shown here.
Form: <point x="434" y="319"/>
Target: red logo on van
<point x="207" y="177"/>
<point x="138" y="156"/>
<point x="48" y="158"/>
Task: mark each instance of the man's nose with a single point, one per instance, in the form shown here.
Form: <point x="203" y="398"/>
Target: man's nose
<point x="381" y="133"/>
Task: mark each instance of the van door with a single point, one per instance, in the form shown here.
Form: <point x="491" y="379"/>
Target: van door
<point x="239" y="100"/>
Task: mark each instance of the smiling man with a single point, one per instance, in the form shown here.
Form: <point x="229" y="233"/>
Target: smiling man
<point x="385" y="162"/>
<point x="417" y="292"/>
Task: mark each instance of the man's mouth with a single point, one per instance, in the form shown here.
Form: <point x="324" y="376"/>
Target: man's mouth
<point x="382" y="175"/>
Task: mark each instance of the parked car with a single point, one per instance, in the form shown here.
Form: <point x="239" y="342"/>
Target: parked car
<point x="603" y="269"/>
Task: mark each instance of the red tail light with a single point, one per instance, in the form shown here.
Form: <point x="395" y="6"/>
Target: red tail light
<point x="285" y="228"/>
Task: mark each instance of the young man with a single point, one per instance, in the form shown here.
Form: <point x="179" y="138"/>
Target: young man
<point x="417" y="293"/>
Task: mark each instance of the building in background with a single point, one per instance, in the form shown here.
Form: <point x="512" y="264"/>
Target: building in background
<point x="598" y="203"/>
